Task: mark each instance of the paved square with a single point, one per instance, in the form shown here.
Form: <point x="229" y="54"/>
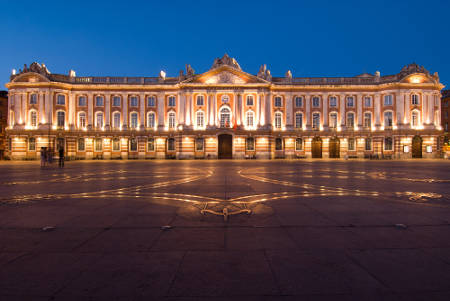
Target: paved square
<point x="225" y="230"/>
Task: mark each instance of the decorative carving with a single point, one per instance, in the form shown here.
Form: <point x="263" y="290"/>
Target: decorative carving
<point x="264" y="73"/>
<point x="36" y="68"/>
<point x="189" y="71"/>
<point x="226" y="60"/>
<point x="225" y="78"/>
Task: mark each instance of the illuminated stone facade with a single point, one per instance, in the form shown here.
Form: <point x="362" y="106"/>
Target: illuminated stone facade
<point x="225" y="112"/>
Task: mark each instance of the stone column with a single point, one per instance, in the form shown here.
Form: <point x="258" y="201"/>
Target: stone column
<point x="90" y="111"/>
<point x="308" y="111"/>
<point x="236" y="110"/>
<point x="431" y="109"/>
<point x="240" y="109"/>
<point x="182" y="108"/>
<point x="71" y="110"/>
<point x="325" y="110"/>
<point x="269" y="109"/>
<point x="289" y="111"/>
<point x="377" y="108"/>
<point x="188" y="120"/>
<point x="50" y="107"/>
<point x="125" y="111"/>
<point x="160" y="111"/>
<point x="359" y="106"/>
<point x="142" y="110"/>
<point x="262" y="109"/>
<point x="10" y="99"/>
<point x="108" y="110"/>
<point x="342" y="109"/>
<point x="17" y="105"/>
<point x="41" y="108"/>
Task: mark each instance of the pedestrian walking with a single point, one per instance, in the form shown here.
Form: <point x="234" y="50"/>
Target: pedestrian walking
<point x="61" y="157"/>
<point x="42" y="156"/>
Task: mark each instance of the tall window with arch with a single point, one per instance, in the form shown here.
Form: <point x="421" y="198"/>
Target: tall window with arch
<point x="415" y="119"/>
<point x="250" y="119"/>
<point x="278" y="120"/>
<point x="151" y="120"/>
<point x="99" y="120"/>
<point x="81" y="120"/>
<point x="134" y="120"/>
<point x="60" y="118"/>
<point x="200" y="119"/>
<point x="33" y="118"/>
<point x="388" y="119"/>
<point x="171" y="120"/>
<point x="316" y="121"/>
<point x="298" y="120"/>
<point x="225" y="117"/>
<point x="116" y="120"/>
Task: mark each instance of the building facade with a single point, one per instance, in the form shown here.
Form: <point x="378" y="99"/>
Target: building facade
<point x="224" y="113"/>
<point x="445" y="110"/>
<point x="3" y="121"/>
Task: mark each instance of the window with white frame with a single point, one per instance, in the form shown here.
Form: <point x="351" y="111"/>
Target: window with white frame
<point x="333" y="120"/>
<point x="316" y="101"/>
<point x="367" y="120"/>
<point x="278" y="118"/>
<point x="199" y="144"/>
<point x="316" y="121"/>
<point x="278" y="101"/>
<point x="134" y="120"/>
<point x="116" y="120"/>
<point x="351" y="144"/>
<point x="225" y="117"/>
<point x="99" y="120"/>
<point x="333" y="101"/>
<point x="250" y="118"/>
<point x="151" y="101"/>
<point x="250" y="143"/>
<point x="200" y="119"/>
<point x="81" y="146"/>
<point x="200" y="100"/>
<point x="350" y="101"/>
<point x="388" y="143"/>
<point x="298" y="120"/>
<point x="116" y="100"/>
<point x="133" y="145"/>
<point x="61" y="99"/>
<point x="99" y="101"/>
<point x="368" y="144"/>
<point x="172" y="101"/>
<point x="60" y="118"/>
<point x="151" y="120"/>
<point x="171" y="120"/>
<point x="350" y="119"/>
<point x="249" y="100"/>
<point x="133" y="101"/>
<point x="414" y="119"/>
<point x="299" y="101"/>
<point x="116" y="144"/>
<point x="367" y="101"/>
<point x="151" y="144"/>
<point x="82" y="101"/>
<point x="81" y="120"/>
<point x="31" y="144"/>
<point x="415" y="99"/>
<point x="388" y="100"/>
<point x="98" y="144"/>
<point x="33" y="118"/>
<point x="388" y="118"/>
<point x="298" y="144"/>
<point x="33" y="99"/>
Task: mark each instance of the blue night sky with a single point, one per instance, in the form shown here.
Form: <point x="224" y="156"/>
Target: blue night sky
<point x="140" y="38"/>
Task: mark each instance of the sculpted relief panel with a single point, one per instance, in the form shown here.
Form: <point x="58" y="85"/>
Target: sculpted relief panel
<point x="225" y="78"/>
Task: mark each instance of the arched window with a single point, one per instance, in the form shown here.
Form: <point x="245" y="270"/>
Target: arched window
<point x="151" y="120"/>
<point x="81" y="120"/>
<point x="298" y="120"/>
<point x="278" y="118"/>
<point x="250" y="143"/>
<point x="133" y="145"/>
<point x="116" y="120"/>
<point x="388" y="143"/>
<point x="316" y="121"/>
<point x="367" y="119"/>
<point x="171" y="120"/>
<point x="99" y="120"/>
<point x="278" y="144"/>
<point x="60" y="118"/>
<point x="415" y="118"/>
<point x="171" y="144"/>
<point x="225" y="116"/>
<point x="298" y="144"/>
<point x="388" y="118"/>
<point x="200" y="118"/>
<point x="33" y="118"/>
<point x="134" y="120"/>
<point x="61" y="99"/>
<point x="116" y="144"/>
<point x="350" y="119"/>
<point x="250" y="119"/>
<point x="33" y="99"/>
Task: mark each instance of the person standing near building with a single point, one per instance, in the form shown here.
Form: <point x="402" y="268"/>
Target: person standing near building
<point x="61" y="157"/>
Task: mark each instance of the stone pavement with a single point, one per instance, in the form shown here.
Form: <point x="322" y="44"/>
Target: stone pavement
<point x="317" y="230"/>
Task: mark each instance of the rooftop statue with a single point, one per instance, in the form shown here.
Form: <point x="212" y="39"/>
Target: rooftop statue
<point x="226" y="60"/>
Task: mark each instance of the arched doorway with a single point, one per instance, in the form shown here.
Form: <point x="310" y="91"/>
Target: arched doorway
<point x="316" y="147"/>
<point x="417" y="147"/>
<point x="225" y="146"/>
<point x="334" y="147"/>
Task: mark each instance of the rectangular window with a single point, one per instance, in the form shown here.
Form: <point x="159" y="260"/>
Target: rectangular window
<point x="171" y="144"/>
<point x="151" y="145"/>
<point x="81" y="146"/>
<point x="99" y="101"/>
<point x="333" y="101"/>
<point x="351" y="144"/>
<point x="32" y="144"/>
<point x="151" y="101"/>
<point x="98" y="144"/>
<point x="388" y="143"/>
<point x="367" y="102"/>
<point x="249" y="100"/>
<point x="116" y="144"/>
<point x="133" y="101"/>
<point x="367" y="120"/>
<point x="278" y="101"/>
<point x="99" y="120"/>
<point x="316" y="102"/>
<point x="368" y="144"/>
<point x="350" y="101"/>
<point x="116" y="120"/>
<point x="33" y="99"/>
<point x="133" y="145"/>
<point x="316" y="121"/>
<point x="116" y="101"/>
<point x="388" y="119"/>
<point x="350" y="120"/>
<point x="172" y="100"/>
<point x="61" y="118"/>
<point x="415" y="99"/>
<point x="61" y="99"/>
<point x="278" y="144"/>
<point x="33" y="117"/>
<point x="200" y="100"/>
<point x="250" y="144"/>
<point x="298" y="120"/>
<point x="333" y="120"/>
<point x="82" y="120"/>
<point x="298" y="144"/>
<point x="199" y="144"/>
<point x="299" y="101"/>
<point x="388" y="100"/>
<point x="82" y="101"/>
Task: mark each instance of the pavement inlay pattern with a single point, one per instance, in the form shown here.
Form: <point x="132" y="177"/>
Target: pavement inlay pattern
<point x="220" y="230"/>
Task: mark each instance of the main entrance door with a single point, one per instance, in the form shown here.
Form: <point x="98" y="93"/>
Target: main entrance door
<point x="417" y="147"/>
<point x="316" y="148"/>
<point x="225" y="146"/>
<point x="334" y="147"/>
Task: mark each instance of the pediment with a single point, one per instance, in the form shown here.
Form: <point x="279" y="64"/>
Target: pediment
<point x="30" y="77"/>
<point x="417" y="78"/>
<point x="225" y="75"/>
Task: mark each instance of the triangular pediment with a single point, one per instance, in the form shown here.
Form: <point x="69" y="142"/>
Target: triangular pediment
<point x="30" y="77"/>
<point x="224" y="75"/>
